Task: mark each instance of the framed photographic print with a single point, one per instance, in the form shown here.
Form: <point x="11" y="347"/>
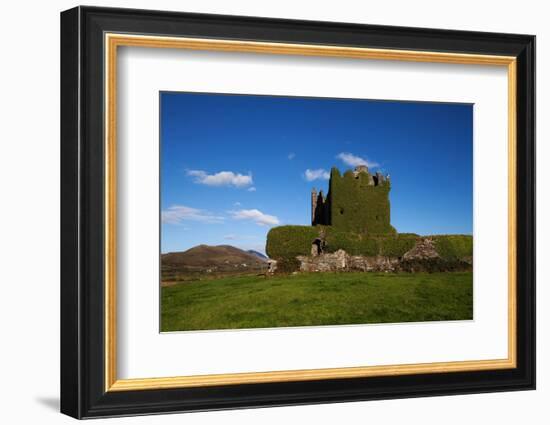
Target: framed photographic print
<point x="261" y="212"/>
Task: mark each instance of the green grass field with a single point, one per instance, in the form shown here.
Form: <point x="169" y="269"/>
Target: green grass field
<point x="316" y="299"/>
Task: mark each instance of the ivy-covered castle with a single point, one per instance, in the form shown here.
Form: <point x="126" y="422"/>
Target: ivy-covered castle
<point x="351" y="230"/>
<point x="357" y="201"/>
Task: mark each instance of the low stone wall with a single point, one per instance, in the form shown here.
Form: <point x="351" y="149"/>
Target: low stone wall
<point x="341" y="261"/>
<point x="373" y="264"/>
<point x="325" y="262"/>
<point x="422" y="257"/>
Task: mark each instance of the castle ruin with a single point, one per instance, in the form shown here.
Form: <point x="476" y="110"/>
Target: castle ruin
<point x="351" y="231"/>
<point x="357" y="201"/>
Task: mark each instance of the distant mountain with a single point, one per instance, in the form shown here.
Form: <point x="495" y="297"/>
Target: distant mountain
<point x="258" y="254"/>
<point x="212" y="258"/>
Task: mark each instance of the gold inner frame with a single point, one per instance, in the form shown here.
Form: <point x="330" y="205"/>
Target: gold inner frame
<point x="113" y="41"/>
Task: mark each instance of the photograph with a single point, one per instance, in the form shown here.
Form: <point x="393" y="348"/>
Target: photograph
<point x="265" y="209"/>
<point x="289" y="211"/>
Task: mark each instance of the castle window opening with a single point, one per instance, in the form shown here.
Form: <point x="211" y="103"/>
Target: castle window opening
<point x="316" y="247"/>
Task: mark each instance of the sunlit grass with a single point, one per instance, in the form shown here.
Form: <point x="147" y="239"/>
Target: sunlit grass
<point x="312" y="299"/>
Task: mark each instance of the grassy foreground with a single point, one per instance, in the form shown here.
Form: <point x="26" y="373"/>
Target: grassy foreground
<point x="316" y="299"/>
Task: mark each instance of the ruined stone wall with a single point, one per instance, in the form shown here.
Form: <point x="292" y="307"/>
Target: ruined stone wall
<point x="423" y="256"/>
<point x="290" y="246"/>
<point x="340" y="261"/>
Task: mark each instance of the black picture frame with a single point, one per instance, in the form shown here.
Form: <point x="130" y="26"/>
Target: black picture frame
<point x="83" y="392"/>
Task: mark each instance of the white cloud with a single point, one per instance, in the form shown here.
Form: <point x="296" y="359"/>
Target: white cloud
<point x="223" y="178"/>
<point x="319" y="174"/>
<point x="236" y="204"/>
<point x="252" y="189"/>
<point x="354" y="160"/>
<point x="178" y="213"/>
<point x="256" y="216"/>
<point x="291" y="155"/>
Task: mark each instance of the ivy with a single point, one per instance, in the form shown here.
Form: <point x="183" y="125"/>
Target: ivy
<point x="357" y="205"/>
<point x="397" y="246"/>
<point x="290" y="241"/>
<point x="352" y="243"/>
<point x="454" y="247"/>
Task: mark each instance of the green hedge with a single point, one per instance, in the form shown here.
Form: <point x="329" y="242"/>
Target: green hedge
<point x="453" y="247"/>
<point x="290" y="241"/>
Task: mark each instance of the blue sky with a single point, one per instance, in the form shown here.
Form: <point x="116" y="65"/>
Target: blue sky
<point x="233" y="166"/>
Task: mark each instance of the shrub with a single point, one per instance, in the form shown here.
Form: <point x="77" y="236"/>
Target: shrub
<point x="454" y="247"/>
<point x="287" y="265"/>
<point x="290" y="241"/>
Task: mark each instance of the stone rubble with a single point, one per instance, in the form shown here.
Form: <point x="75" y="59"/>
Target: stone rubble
<point x="342" y="261"/>
<point x="423" y="250"/>
<point x="423" y="256"/>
